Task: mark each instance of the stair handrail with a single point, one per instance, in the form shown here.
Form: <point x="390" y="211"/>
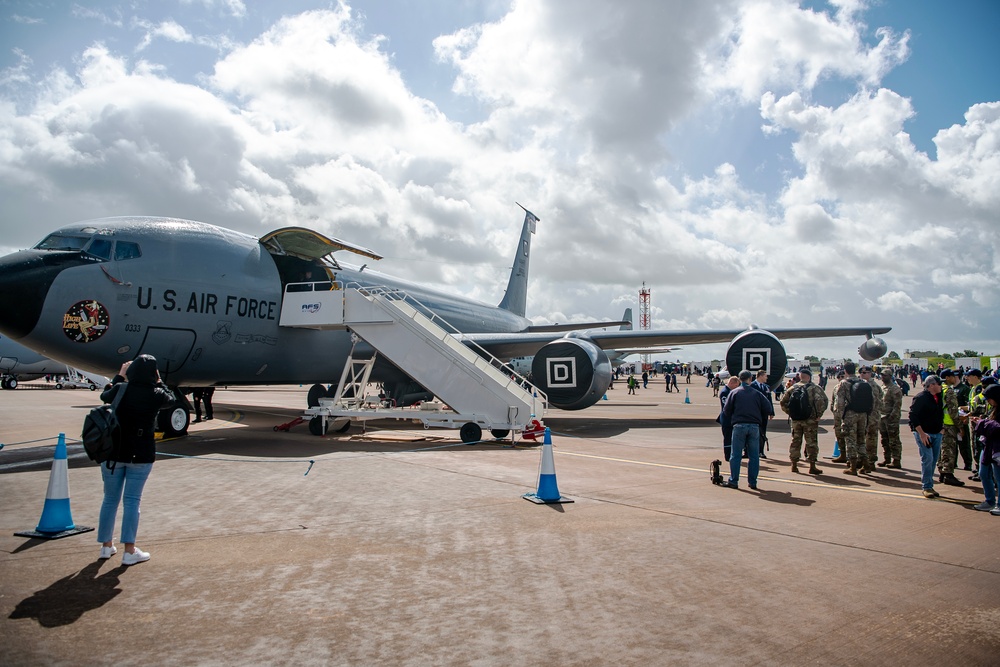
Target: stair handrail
<point x="396" y="294"/>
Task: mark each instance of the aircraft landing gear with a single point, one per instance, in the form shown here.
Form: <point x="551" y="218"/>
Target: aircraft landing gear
<point x="316" y="392"/>
<point x="9" y="383"/>
<point x="174" y="419"/>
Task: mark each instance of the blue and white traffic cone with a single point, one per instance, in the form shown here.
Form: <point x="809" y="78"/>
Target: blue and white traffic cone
<point x="548" y="489"/>
<point x="687" y="396"/>
<point x="836" y="449"/>
<point x="57" y="520"/>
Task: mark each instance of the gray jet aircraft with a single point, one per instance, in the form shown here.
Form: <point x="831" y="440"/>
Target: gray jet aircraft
<point x="206" y="302"/>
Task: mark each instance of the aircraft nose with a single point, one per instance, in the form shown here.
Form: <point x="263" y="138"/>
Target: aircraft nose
<point x="25" y="279"/>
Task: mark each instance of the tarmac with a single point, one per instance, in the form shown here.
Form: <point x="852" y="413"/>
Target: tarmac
<point x="401" y="546"/>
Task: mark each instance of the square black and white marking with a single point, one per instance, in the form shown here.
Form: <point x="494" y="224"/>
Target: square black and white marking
<point x="560" y="372"/>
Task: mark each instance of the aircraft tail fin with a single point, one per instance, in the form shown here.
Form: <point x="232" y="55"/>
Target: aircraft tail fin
<point x="628" y="318"/>
<point x="515" y="299"/>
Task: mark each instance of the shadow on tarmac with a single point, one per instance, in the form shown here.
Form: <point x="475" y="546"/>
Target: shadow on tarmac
<point x="66" y="600"/>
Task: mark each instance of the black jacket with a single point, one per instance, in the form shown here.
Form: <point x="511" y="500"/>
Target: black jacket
<point x="137" y="413"/>
<point x="927" y="412"/>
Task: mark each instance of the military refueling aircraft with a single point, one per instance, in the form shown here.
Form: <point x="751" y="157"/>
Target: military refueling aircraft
<point x="206" y="302"/>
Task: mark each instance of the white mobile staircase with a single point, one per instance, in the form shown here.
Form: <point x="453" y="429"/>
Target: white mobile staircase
<point x="481" y="391"/>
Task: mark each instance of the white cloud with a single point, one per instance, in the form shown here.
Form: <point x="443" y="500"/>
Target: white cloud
<point x="312" y="123"/>
<point x="777" y="44"/>
<point x="168" y="30"/>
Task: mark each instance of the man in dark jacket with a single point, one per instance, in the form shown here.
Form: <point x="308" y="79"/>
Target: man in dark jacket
<point x="926" y="422"/>
<point x="747" y="409"/>
<point x="732" y="383"/>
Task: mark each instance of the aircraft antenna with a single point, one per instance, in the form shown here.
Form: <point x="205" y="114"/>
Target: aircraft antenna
<point x="644" y="319"/>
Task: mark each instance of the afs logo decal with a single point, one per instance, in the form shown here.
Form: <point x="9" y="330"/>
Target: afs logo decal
<point x="86" y="321"/>
<point x="311" y="307"/>
<point x="560" y="372"/>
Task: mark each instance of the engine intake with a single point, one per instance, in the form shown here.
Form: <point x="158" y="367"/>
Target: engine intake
<point x="872" y="349"/>
<point x="573" y="372"/>
<point x="757" y="349"/>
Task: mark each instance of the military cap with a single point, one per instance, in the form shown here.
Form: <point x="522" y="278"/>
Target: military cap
<point x="974" y="371"/>
<point x="946" y="373"/>
<point x="887" y="371"/>
<point x="806" y="370"/>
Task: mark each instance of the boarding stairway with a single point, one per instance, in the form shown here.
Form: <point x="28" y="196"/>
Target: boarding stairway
<point x="478" y="388"/>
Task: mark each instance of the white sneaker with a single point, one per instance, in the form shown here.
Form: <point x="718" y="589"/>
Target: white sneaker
<point x="138" y="556"/>
<point x="995" y="511"/>
<point x="107" y="552"/>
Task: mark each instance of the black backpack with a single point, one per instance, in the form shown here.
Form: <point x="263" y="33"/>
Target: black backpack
<point x="99" y="427"/>
<point x="799" y="405"/>
<point x="861" y="398"/>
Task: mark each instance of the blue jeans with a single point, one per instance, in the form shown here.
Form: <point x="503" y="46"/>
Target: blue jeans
<point x="989" y="472"/>
<point x="748" y="436"/>
<point x="129" y="478"/>
<point x="928" y="459"/>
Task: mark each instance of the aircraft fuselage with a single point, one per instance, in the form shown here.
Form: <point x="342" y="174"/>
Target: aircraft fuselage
<point x="205" y="301"/>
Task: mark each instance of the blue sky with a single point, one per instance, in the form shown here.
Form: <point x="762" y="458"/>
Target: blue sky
<point x="757" y="161"/>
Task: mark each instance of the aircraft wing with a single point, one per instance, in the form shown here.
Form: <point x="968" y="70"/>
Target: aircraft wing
<point x="551" y="328"/>
<point x="509" y="345"/>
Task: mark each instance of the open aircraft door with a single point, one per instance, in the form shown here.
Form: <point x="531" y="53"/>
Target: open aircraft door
<point x="305" y="256"/>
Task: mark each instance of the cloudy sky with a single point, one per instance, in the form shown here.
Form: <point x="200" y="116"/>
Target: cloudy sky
<point x="752" y="161"/>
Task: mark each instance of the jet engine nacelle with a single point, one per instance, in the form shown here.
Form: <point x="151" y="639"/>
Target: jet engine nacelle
<point x="872" y="349"/>
<point x="757" y="349"/>
<point x="573" y="372"/>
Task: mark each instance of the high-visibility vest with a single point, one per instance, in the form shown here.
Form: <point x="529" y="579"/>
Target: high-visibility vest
<point x="947" y="417"/>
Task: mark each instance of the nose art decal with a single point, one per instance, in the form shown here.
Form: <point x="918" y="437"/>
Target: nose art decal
<point x="86" y="321"/>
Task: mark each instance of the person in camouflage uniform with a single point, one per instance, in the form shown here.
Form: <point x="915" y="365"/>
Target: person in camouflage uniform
<point x="855" y="424"/>
<point x="871" y="432"/>
<point x="951" y="431"/>
<point x="888" y="425"/>
<point x="805" y="429"/>
<point x="963" y="391"/>
<point x="838" y="420"/>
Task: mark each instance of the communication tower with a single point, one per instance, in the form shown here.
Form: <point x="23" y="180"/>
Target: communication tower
<point x="644" y="319"/>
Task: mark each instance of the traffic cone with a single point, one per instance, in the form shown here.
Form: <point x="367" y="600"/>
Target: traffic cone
<point x="687" y="396"/>
<point x="57" y="520"/>
<point x="836" y="449"/>
<point x="548" y="490"/>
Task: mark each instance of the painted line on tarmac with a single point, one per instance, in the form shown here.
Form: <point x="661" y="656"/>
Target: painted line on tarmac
<point x="774" y="479"/>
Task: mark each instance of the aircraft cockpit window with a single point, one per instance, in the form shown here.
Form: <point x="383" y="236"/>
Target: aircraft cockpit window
<point x="127" y="250"/>
<point x="100" y="248"/>
<point x="62" y="242"/>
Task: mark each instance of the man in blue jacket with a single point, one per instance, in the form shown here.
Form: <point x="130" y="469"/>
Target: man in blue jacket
<point x="747" y="410"/>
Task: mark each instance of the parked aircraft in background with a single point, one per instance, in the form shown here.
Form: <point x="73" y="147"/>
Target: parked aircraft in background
<point x="20" y="364"/>
<point x="206" y="302"/>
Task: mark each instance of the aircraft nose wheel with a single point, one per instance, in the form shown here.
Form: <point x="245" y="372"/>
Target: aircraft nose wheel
<point x="174" y="421"/>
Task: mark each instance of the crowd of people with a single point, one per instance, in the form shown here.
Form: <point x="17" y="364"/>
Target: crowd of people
<point x="954" y="416"/>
